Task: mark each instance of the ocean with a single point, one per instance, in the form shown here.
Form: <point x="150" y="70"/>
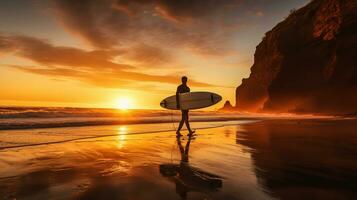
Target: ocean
<point x="32" y="126"/>
<point x="50" y="117"/>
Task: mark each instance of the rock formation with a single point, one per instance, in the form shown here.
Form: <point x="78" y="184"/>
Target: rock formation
<point x="307" y="63"/>
<point x="227" y="107"/>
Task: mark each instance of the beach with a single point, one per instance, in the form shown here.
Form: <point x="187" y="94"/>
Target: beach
<point x="170" y="100"/>
<point x="241" y="159"/>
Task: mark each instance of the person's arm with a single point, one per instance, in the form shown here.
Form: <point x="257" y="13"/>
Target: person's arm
<point x="177" y="98"/>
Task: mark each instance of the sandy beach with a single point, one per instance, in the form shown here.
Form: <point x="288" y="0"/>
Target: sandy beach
<point x="270" y="159"/>
<point x="94" y="97"/>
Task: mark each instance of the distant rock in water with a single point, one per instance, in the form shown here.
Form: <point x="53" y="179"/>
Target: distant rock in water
<point x="227" y="107"/>
<point x="307" y="63"/>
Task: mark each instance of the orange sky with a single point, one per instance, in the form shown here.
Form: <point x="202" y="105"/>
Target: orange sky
<point x="95" y="53"/>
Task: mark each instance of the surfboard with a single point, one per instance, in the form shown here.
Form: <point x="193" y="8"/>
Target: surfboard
<point x="191" y="100"/>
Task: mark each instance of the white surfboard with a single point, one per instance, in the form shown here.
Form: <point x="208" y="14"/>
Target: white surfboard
<point x="191" y="100"/>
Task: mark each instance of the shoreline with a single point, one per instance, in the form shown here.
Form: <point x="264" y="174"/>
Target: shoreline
<point x="20" y="126"/>
<point x="111" y="135"/>
<point x="36" y="123"/>
<point x="242" y="121"/>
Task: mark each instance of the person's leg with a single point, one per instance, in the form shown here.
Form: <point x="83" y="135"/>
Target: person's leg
<point x="181" y="123"/>
<point x="187" y="122"/>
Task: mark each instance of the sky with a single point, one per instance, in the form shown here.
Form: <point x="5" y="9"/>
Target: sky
<point x="103" y="53"/>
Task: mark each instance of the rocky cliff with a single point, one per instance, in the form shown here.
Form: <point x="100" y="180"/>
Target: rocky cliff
<point x="307" y="63"/>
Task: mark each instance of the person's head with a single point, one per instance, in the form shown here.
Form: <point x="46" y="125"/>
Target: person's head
<point x="184" y="79"/>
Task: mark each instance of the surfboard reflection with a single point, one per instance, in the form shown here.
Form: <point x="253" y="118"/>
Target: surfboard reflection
<point x="187" y="178"/>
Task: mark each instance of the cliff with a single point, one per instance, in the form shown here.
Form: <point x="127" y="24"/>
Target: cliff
<point x="307" y="63"/>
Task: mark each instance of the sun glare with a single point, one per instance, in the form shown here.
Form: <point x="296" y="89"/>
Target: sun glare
<point x="124" y="103"/>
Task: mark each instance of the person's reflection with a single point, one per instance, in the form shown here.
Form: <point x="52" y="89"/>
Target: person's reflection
<point x="188" y="178"/>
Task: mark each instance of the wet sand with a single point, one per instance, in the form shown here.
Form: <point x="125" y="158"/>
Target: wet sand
<point x="270" y="159"/>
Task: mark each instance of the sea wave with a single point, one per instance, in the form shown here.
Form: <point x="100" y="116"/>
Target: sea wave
<point x="59" y="112"/>
<point x="31" y="117"/>
<point x="73" y="122"/>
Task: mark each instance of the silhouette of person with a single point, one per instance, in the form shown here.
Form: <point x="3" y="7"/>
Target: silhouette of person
<point x="183" y="88"/>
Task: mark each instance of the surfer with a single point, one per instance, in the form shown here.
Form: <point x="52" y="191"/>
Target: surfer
<point x="183" y="88"/>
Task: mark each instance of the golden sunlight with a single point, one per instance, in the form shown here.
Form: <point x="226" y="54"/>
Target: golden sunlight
<point x="121" y="136"/>
<point x="124" y="103"/>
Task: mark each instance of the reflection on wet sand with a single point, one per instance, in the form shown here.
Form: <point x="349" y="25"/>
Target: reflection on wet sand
<point x="280" y="159"/>
<point x="187" y="178"/>
<point x="304" y="159"/>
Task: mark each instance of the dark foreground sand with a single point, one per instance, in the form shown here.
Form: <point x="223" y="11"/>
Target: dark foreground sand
<point x="271" y="159"/>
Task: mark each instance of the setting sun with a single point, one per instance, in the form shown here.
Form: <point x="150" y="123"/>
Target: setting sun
<point x="124" y="103"/>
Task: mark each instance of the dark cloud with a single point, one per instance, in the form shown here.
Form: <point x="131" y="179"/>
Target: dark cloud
<point x="133" y="7"/>
<point x="180" y="10"/>
<point x="80" y="17"/>
<point x="191" y="25"/>
<point x="94" y="67"/>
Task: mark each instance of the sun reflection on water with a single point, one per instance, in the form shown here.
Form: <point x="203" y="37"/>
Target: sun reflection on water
<point x="121" y="138"/>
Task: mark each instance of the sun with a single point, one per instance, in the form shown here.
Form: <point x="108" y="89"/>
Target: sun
<point x="124" y="103"/>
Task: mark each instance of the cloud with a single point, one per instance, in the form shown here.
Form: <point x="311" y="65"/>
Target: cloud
<point x="97" y="78"/>
<point x="179" y="10"/>
<point x="259" y="14"/>
<point x="148" y="55"/>
<point x="42" y="52"/>
<point x="94" y="67"/>
<point x="79" y="17"/>
<point x="169" y="24"/>
<point x="6" y="45"/>
<point x="114" y="79"/>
